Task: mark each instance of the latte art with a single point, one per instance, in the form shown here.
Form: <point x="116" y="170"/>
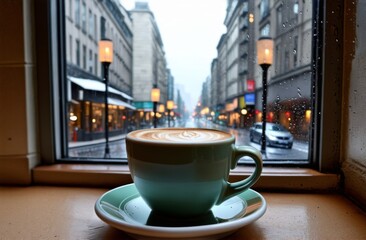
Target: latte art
<point x="180" y="135"/>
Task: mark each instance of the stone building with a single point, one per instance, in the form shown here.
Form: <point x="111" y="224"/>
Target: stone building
<point x="86" y="23"/>
<point x="149" y="63"/>
<point x="234" y="71"/>
<point x="237" y="78"/>
<point x="289" y="23"/>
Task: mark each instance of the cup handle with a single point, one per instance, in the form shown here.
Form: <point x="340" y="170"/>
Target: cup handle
<point x="232" y="189"/>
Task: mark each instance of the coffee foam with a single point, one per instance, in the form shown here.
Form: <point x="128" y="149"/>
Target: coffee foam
<point x="180" y="135"/>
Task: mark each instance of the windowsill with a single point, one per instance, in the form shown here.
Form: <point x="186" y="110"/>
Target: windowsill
<point x="97" y="175"/>
<point x="67" y="212"/>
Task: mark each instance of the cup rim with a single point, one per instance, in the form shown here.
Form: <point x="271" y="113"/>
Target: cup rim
<point x="231" y="139"/>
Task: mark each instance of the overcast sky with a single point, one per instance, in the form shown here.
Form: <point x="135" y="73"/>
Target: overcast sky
<point x="191" y="30"/>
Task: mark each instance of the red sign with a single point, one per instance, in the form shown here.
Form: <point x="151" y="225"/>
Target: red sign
<point x="250" y="85"/>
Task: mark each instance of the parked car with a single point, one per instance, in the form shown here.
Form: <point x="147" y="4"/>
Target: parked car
<point x="276" y="135"/>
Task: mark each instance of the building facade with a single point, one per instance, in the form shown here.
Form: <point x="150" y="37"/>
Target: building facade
<point x="236" y="78"/>
<point x="289" y="23"/>
<point x="221" y="79"/>
<point x="87" y="22"/>
<point x="233" y="75"/>
<point x="149" y="63"/>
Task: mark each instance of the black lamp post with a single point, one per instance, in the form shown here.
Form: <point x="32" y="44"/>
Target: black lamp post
<point x="265" y="58"/>
<point x="169" y="106"/>
<point x="106" y="58"/>
<point x="155" y="98"/>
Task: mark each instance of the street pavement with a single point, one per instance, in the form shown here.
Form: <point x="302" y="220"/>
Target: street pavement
<point x="96" y="149"/>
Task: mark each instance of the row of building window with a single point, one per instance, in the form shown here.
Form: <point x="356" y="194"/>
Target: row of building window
<point x="80" y="17"/>
<point x="88" y="64"/>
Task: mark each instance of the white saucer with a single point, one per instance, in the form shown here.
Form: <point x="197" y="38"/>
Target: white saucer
<point x="124" y="209"/>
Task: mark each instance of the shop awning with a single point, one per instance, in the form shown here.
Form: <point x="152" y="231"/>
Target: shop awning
<point x="94" y="85"/>
<point x="118" y="102"/>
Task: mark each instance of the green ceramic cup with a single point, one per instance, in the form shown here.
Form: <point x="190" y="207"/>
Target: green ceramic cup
<point x="184" y="172"/>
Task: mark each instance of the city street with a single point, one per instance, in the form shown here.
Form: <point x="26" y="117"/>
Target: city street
<point x="95" y="149"/>
<point x="299" y="151"/>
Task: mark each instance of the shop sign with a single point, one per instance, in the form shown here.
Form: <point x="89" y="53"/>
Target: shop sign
<point x="250" y="85"/>
<point x="143" y="105"/>
<point x="250" y="99"/>
<point x="242" y="102"/>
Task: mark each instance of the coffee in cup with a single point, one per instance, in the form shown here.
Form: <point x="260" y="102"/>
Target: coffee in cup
<point x="184" y="172"/>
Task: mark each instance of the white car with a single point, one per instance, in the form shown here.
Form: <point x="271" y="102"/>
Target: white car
<point x="276" y="135"/>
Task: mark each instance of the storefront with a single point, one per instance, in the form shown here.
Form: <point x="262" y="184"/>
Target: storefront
<point x="86" y="110"/>
<point x="288" y="103"/>
<point x="144" y="112"/>
<point x="233" y="117"/>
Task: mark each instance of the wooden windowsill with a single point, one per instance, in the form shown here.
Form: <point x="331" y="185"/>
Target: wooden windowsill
<point x="48" y="212"/>
<point x="97" y="175"/>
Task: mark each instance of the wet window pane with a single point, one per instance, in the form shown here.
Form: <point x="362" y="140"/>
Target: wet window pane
<point x="202" y="57"/>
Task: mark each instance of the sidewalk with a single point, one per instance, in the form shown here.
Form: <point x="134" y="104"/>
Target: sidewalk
<point x="95" y="142"/>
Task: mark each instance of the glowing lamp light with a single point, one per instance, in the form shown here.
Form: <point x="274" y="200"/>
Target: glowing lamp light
<point x="170" y="104"/>
<point x="265" y="50"/>
<point x="251" y="17"/>
<point x="73" y="118"/>
<point x="155" y="98"/>
<point x="161" y="108"/>
<point x="106" y="50"/>
<point x="155" y="95"/>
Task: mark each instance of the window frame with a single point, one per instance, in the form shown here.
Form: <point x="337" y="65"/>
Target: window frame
<point x="325" y="141"/>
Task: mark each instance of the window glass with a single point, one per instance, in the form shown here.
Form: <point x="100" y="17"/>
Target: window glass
<point x="69" y="56"/>
<point x="77" y="52"/>
<point x="77" y="12"/>
<point x="221" y="88"/>
<point x="264" y="8"/>
<point x="265" y="31"/>
<point x="83" y="17"/>
<point x="70" y="2"/>
<point x="90" y="63"/>
<point x="84" y="57"/>
<point x="279" y="19"/>
<point x="91" y="24"/>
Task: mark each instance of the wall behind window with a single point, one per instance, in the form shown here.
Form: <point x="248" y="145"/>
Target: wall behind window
<point x="18" y="99"/>
<point x="354" y="152"/>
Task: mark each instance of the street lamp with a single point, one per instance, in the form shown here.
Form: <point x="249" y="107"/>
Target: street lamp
<point x="265" y="58"/>
<point x="155" y="98"/>
<point x="169" y="106"/>
<point x="161" y="108"/>
<point x="106" y="57"/>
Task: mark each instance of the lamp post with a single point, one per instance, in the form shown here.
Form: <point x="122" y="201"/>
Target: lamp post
<point x="169" y="106"/>
<point x="155" y="98"/>
<point x="265" y="58"/>
<point x="106" y="58"/>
